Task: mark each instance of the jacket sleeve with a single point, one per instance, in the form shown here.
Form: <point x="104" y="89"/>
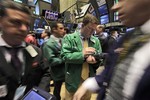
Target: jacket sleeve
<point x="50" y="54"/>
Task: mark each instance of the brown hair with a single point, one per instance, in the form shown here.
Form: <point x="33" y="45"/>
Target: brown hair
<point x="89" y="18"/>
<point x="13" y="5"/>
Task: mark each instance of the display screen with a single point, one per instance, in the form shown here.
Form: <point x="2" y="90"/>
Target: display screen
<point x="50" y="14"/>
<point x="93" y="13"/>
<point x="49" y="1"/>
<point x="39" y="23"/>
<point x="130" y="29"/>
<point x="36" y="23"/>
<point x="20" y="1"/>
<point x="116" y="13"/>
<point x="34" y="1"/>
<point x="37" y="9"/>
<point x="33" y="96"/>
<point x="116" y="18"/>
<point x="103" y="9"/>
<point x="104" y="19"/>
<point x="69" y="26"/>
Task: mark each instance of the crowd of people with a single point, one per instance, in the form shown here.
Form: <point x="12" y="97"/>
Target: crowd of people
<point x="29" y="59"/>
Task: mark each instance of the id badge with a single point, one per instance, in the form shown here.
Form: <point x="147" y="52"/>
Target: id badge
<point x="31" y="51"/>
<point x="3" y="90"/>
<point x="19" y="92"/>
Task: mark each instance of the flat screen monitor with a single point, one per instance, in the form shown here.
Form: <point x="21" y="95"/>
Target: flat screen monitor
<point x="103" y="9"/>
<point x="50" y="15"/>
<point x="35" y="1"/>
<point x="36" y="23"/>
<point x="104" y="19"/>
<point x="37" y="9"/>
<point x="20" y="1"/>
<point x="116" y="18"/>
<point x="43" y="23"/>
<point x="39" y="23"/>
<point x="69" y="25"/>
<point x="130" y="29"/>
<point x="49" y="1"/>
<point x="116" y="13"/>
<point x="93" y="13"/>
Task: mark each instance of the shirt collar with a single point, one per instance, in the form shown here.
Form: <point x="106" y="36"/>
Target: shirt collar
<point x="81" y="36"/>
<point x="55" y="38"/>
<point x="145" y="28"/>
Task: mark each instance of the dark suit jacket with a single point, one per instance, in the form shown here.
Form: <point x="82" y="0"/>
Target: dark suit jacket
<point x="104" y="78"/>
<point x="143" y="88"/>
<point x="36" y="73"/>
<point x="142" y="91"/>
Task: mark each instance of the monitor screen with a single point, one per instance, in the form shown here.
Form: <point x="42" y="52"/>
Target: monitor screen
<point x="69" y="25"/>
<point x="103" y="9"/>
<point x="36" y="23"/>
<point x="50" y="15"/>
<point x="35" y="1"/>
<point x="93" y="13"/>
<point x="33" y="96"/>
<point x="116" y="13"/>
<point x="39" y="23"/>
<point x="37" y="9"/>
<point x="116" y="18"/>
<point x="104" y="19"/>
<point x="31" y="3"/>
<point x="20" y="1"/>
<point x="130" y="29"/>
<point x="43" y="23"/>
<point x="49" y="1"/>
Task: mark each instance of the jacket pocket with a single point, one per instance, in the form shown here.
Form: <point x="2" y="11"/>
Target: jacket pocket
<point x="68" y="78"/>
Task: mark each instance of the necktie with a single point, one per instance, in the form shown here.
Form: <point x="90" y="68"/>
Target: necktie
<point x="15" y="61"/>
<point x="85" y="66"/>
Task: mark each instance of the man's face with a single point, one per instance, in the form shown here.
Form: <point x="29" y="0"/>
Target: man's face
<point x="60" y="30"/>
<point x="88" y="30"/>
<point x="99" y="30"/>
<point x="15" y="26"/>
<point x="133" y="12"/>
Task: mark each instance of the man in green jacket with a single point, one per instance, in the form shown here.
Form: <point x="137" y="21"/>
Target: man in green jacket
<point x="75" y="55"/>
<point x="51" y="50"/>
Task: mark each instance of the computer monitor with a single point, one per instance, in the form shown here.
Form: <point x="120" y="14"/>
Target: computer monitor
<point x="103" y="9"/>
<point x="104" y="19"/>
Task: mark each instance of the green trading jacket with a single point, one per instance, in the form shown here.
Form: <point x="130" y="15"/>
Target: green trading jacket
<point x="72" y="54"/>
<point x="51" y="50"/>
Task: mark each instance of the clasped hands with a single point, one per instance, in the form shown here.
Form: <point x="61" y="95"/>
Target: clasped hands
<point x="87" y="52"/>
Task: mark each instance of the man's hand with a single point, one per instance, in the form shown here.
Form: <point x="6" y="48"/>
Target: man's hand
<point x="91" y="60"/>
<point x="80" y="93"/>
<point x="118" y="50"/>
<point x="87" y="51"/>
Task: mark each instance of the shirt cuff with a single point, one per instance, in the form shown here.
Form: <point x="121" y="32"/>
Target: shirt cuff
<point x="91" y="84"/>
